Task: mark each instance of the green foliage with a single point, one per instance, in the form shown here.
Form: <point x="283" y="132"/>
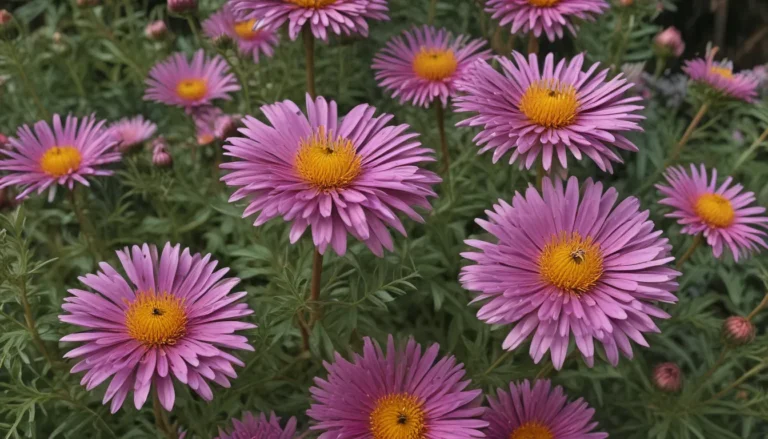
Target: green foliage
<point x="84" y="60"/>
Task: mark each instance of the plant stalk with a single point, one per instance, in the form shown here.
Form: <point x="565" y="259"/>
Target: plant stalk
<point x="161" y="418"/>
<point x="689" y="131"/>
<point x="309" y="55"/>
<point x="440" y="116"/>
<point x="688" y="253"/>
<point x="533" y="43"/>
<point x="743" y="158"/>
<point x="498" y="362"/>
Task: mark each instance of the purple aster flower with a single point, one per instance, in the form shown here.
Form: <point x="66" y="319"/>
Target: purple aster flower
<point x="174" y="316"/>
<point x="547" y="16"/>
<point x="549" y="112"/>
<point x="719" y="77"/>
<point x="205" y="118"/>
<point x="260" y="428"/>
<point x="540" y="412"/>
<point x="250" y="39"/>
<point x="58" y="155"/>
<point x="342" y="16"/>
<point x="335" y="175"/>
<point x="132" y="132"/>
<point x="177" y="82"/>
<point x="724" y="214"/>
<point x="424" y="64"/>
<point x="399" y="394"/>
<point x="567" y="264"/>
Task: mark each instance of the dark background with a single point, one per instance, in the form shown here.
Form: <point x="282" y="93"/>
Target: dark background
<point x="738" y="27"/>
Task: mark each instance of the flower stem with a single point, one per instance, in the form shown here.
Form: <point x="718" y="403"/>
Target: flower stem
<point x="242" y="78"/>
<point x="763" y="303"/>
<point x="86" y="227"/>
<point x="754" y="371"/>
<point x="309" y="55"/>
<point x="432" y="11"/>
<point x="540" y="173"/>
<point x="42" y="112"/>
<point x="440" y="115"/>
<point x="544" y="371"/>
<point x="533" y="43"/>
<point x="195" y="31"/>
<point x="689" y="131"/>
<point x="688" y="253"/>
<point x="317" y="275"/>
<point x="743" y="158"/>
<point x="161" y="418"/>
<point x="661" y="62"/>
<point x="30" y="321"/>
<point x="498" y="362"/>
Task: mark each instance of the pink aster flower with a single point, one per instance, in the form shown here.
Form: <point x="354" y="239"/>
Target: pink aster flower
<point x="547" y="16"/>
<point x="335" y="175"/>
<point x="719" y="77"/>
<point x="173" y="316"/>
<point x="424" y="64"/>
<point x="549" y="112"/>
<point x="342" y="16"/>
<point x="567" y="264"/>
<point x="177" y="82"/>
<point x="250" y="39"/>
<point x="132" y="132"/>
<point x="539" y="412"/>
<point x="722" y="213"/>
<point x="260" y="428"/>
<point x="397" y="394"/>
<point x="61" y="155"/>
<point x="205" y="118"/>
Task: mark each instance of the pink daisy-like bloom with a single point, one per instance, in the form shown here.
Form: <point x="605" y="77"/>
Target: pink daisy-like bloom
<point x="539" y="412"/>
<point x="178" y="82"/>
<point x="260" y="428"/>
<point x="334" y="175"/>
<point x="250" y="39"/>
<point x="399" y="394"/>
<point x="544" y="16"/>
<point x="424" y="64"/>
<point x="132" y="132"/>
<point x="723" y="214"/>
<point x="719" y="76"/>
<point x="59" y="155"/>
<point x="549" y="112"/>
<point x="341" y="16"/>
<point x="567" y="264"/>
<point x="205" y="118"/>
<point x="174" y="316"/>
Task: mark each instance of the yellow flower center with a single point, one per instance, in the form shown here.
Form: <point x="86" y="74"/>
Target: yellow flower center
<point x="715" y="210"/>
<point x="327" y="162"/>
<point x="60" y="160"/>
<point x="543" y="3"/>
<point x="312" y="4"/>
<point x="398" y="416"/>
<point x="434" y="64"/>
<point x="156" y="319"/>
<point x="550" y="104"/>
<point x="571" y="263"/>
<point x="532" y="430"/>
<point x="192" y="89"/>
<point x="245" y="29"/>
<point x="725" y="72"/>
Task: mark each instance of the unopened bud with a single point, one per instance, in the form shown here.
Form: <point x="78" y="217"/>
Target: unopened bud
<point x="7" y="28"/>
<point x="5" y="17"/>
<point x="182" y="7"/>
<point x="223" y="42"/>
<point x="4" y="143"/>
<point x="669" y="42"/>
<point x="160" y="155"/>
<point x="667" y="377"/>
<point x="738" y="330"/>
<point x="626" y="3"/>
<point x="156" y="30"/>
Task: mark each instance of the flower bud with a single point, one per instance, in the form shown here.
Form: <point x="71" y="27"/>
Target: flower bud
<point x="226" y="126"/>
<point x="223" y="42"/>
<point x="669" y="42"/>
<point x="4" y="143"/>
<point x="156" y="30"/>
<point x="738" y="330"/>
<point x="667" y="377"/>
<point x="182" y="7"/>
<point x="5" y="17"/>
<point x="160" y="155"/>
<point x="7" y="28"/>
<point x="626" y="3"/>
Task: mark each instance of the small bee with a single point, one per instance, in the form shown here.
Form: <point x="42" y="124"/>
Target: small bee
<point x="402" y="419"/>
<point x="578" y="256"/>
<point x="157" y="312"/>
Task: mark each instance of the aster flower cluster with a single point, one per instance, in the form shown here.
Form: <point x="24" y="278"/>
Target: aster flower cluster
<point x="565" y="267"/>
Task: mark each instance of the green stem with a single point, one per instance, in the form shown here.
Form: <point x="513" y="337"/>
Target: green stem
<point x="743" y="158"/>
<point x="432" y="12"/>
<point x="754" y="371"/>
<point x="30" y="321"/>
<point x="440" y="116"/>
<point x="195" y="31"/>
<point x="688" y="253"/>
<point x="86" y="227"/>
<point x="533" y="43"/>
<point x="242" y="78"/>
<point x="161" y="418"/>
<point x="75" y="79"/>
<point x="661" y="62"/>
<point x="763" y="303"/>
<point x="314" y="293"/>
<point x="540" y="174"/>
<point x="689" y="131"/>
<point x="544" y="371"/>
<point x="498" y="362"/>
<point x="309" y="56"/>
